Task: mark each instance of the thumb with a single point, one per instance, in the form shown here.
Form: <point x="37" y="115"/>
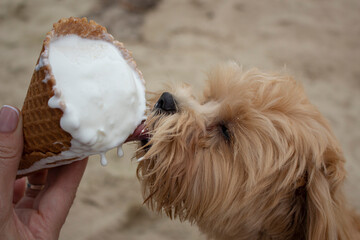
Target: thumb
<point x="11" y="145"/>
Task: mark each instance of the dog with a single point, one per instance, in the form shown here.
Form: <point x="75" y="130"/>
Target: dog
<point x="251" y="158"/>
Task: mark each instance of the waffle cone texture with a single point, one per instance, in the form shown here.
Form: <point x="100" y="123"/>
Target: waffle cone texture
<point x="43" y="136"/>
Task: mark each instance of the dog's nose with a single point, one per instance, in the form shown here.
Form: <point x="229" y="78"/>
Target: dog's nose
<point x="166" y="103"/>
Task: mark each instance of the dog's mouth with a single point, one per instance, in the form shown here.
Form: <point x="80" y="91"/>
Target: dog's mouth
<point x="140" y="134"/>
<point x="166" y="105"/>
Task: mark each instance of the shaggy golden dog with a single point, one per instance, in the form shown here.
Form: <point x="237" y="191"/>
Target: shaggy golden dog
<point x="251" y="159"/>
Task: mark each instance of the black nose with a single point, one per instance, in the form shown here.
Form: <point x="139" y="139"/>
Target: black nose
<point x="166" y="103"/>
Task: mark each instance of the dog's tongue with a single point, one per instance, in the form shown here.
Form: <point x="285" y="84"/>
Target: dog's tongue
<point x="139" y="134"/>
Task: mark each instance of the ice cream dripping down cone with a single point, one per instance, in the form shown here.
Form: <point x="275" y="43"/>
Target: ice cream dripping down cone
<point x="86" y="96"/>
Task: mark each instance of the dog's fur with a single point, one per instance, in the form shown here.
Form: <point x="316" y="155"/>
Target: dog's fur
<point x="251" y="159"/>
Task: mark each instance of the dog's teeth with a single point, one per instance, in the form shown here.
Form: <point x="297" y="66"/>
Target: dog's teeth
<point x="140" y="159"/>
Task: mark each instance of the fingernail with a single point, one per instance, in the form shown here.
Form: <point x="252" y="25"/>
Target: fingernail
<point x="9" y="117"/>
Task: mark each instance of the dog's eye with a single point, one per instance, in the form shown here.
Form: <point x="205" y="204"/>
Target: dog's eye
<point x="225" y="131"/>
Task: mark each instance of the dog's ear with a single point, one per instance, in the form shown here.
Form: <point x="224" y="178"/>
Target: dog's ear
<point x="322" y="196"/>
<point x="327" y="214"/>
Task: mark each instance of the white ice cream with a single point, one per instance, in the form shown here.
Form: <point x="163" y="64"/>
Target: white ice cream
<point x="101" y="95"/>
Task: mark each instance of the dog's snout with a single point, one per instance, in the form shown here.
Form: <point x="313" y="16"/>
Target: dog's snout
<point x="166" y="103"/>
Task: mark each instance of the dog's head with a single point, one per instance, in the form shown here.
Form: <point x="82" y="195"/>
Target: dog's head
<point x="250" y="157"/>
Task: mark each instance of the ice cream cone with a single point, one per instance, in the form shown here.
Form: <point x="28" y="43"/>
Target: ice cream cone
<point x="44" y="137"/>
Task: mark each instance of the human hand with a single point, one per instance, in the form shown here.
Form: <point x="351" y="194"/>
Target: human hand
<point x="32" y="213"/>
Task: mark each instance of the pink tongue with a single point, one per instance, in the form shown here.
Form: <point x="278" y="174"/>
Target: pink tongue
<point x="139" y="134"/>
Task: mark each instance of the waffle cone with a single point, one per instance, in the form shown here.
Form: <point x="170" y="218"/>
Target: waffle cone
<point x="43" y="135"/>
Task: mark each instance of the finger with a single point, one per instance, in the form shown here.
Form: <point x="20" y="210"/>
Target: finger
<point x="36" y="183"/>
<point x="19" y="189"/>
<point x="38" y="178"/>
<point x="55" y="200"/>
<point x="11" y="144"/>
<point x="28" y="200"/>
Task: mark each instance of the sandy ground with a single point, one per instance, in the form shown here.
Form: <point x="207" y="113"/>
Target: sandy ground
<point x="318" y="42"/>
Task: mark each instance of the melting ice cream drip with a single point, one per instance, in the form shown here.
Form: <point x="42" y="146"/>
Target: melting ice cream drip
<point x="103" y="159"/>
<point x="120" y="152"/>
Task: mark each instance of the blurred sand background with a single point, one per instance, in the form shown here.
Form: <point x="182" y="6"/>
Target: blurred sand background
<point x="318" y="42"/>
